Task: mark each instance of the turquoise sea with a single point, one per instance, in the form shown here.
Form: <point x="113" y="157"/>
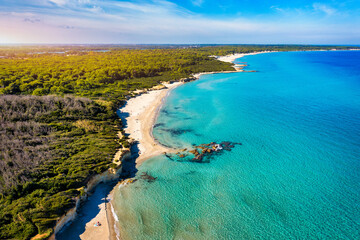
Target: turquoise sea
<point x="296" y="174"/>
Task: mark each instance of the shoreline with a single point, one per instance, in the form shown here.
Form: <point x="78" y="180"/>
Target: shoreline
<point x="156" y="115"/>
<point x="104" y="231"/>
<point x="144" y="109"/>
<point x="140" y="114"/>
<point x="140" y="108"/>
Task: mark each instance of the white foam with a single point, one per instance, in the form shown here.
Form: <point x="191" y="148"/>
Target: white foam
<point x="113" y="213"/>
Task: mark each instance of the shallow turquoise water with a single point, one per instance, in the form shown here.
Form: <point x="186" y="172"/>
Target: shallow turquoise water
<point x="296" y="176"/>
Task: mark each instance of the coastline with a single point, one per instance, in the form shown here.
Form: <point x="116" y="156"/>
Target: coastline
<point x="139" y="115"/>
<point x="231" y="58"/>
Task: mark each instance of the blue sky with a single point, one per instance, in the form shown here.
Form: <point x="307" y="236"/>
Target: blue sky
<point x="187" y="21"/>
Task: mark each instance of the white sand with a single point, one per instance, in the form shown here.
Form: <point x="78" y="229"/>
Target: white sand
<point x="97" y="233"/>
<point x="231" y="58"/>
<point x="142" y="112"/>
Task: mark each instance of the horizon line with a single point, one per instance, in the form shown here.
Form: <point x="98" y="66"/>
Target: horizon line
<point x="178" y="44"/>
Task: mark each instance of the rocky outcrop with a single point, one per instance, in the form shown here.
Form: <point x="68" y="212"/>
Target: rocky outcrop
<point x="158" y="87"/>
<point x="201" y="153"/>
<point x="141" y="91"/>
<point x="189" y="79"/>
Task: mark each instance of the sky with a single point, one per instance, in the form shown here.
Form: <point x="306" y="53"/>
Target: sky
<point x="180" y="22"/>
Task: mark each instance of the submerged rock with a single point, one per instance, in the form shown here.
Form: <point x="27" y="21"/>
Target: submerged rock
<point x="201" y="153"/>
<point x="177" y="132"/>
<point x="158" y="125"/>
<point x="145" y="176"/>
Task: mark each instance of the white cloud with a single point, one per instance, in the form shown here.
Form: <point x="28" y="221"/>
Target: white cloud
<point x="70" y="2"/>
<point x="197" y="2"/>
<point x="59" y="2"/>
<point x="154" y="7"/>
<point x="20" y="14"/>
<point x="95" y="9"/>
<point x="84" y="1"/>
<point x="324" y="8"/>
<point x="145" y="8"/>
<point x="277" y="9"/>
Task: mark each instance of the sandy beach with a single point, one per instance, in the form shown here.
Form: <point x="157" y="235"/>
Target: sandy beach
<point x="231" y="58"/>
<point x="93" y="232"/>
<point x="142" y="111"/>
<point x="140" y="114"/>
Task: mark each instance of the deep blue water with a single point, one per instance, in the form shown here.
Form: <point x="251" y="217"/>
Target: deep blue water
<point x="297" y="174"/>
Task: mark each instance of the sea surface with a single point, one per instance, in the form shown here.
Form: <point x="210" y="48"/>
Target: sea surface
<point x="296" y="174"/>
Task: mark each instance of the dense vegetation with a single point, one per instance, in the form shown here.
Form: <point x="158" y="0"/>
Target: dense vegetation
<point x="52" y="142"/>
<point x="111" y="74"/>
<point x="49" y="147"/>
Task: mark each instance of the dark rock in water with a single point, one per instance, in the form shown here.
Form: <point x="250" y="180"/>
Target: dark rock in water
<point x="195" y="152"/>
<point x="228" y="145"/>
<point x="190" y="173"/>
<point x="158" y="125"/>
<point x="145" y="176"/>
<point x="167" y="112"/>
<point x="180" y="131"/>
<point x="209" y="150"/>
<point x="177" y="132"/>
<point x="164" y="111"/>
<point x="168" y="156"/>
<point x="202" y="153"/>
